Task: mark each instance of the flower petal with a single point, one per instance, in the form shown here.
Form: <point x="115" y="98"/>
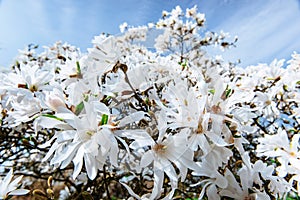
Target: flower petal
<point x="130" y="191"/>
<point x="19" y="192"/>
<point x="147" y="158"/>
<point x="134" y="117"/>
<point x="90" y="165"/>
<point x="78" y="162"/>
<point x="8" y="177"/>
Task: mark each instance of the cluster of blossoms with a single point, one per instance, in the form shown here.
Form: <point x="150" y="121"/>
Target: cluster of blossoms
<point x="124" y="121"/>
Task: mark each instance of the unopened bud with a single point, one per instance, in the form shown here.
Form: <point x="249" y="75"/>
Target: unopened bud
<point x="50" y="193"/>
<point x="38" y="192"/>
<point x="49" y="182"/>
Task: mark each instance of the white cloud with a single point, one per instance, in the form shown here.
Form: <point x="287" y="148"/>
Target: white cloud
<point x="266" y="29"/>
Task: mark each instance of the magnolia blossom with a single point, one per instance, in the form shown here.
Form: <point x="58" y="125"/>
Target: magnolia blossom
<point x="235" y="191"/>
<point x="9" y="187"/>
<point x="24" y="107"/>
<point x="163" y="154"/>
<point x="30" y="77"/>
<point x="89" y="138"/>
<point x="214" y="180"/>
<point x="279" y="146"/>
<point x="251" y="179"/>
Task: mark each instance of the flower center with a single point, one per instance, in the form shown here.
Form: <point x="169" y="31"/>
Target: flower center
<point x="159" y="148"/>
<point x="90" y="133"/>
<point x="216" y="109"/>
<point x="200" y="129"/>
<point x="293" y="154"/>
<point x="33" y="88"/>
<point x="268" y="102"/>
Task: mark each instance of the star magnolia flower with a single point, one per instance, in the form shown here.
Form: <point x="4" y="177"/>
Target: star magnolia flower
<point x="279" y="146"/>
<point x="25" y="107"/>
<point x="235" y="191"/>
<point x="8" y="188"/>
<point x="146" y="196"/>
<point x="253" y="177"/>
<point x="81" y="144"/>
<point x="32" y="78"/>
<point x="90" y="139"/>
<point x="215" y="179"/>
<point x="187" y="111"/>
<point x="103" y="56"/>
<point x="172" y="149"/>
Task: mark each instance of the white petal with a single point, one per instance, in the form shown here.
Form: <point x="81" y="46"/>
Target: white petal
<point x="48" y="143"/>
<point x="162" y="163"/>
<point x="101" y="107"/>
<point x="124" y="144"/>
<point x="114" y="150"/>
<point x="171" y="173"/>
<point x="283" y="140"/>
<point x="147" y="158"/>
<point x="158" y="183"/>
<point x="212" y="192"/>
<point x="232" y="181"/>
<point x="8" y="178"/>
<point x="19" y="192"/>
<point x="134" y="134"/>
<point x="47" y="122"/>
<point x="78" y="162"/>
<point x="65" y="136"/>
<point x="244" y="178"/>
<point x="134" y="117"/>
<point x="262" y="195"/>
<point x="65" y="153"/>
<point x="295" y="142"/>
<point x="67" y="161"/>
<point x="216" y="139"/>
<point x="131" y="192"/>
<point x="91" y="146"/>
<point x="13" y="185"/>
<point x="142" y="142"/>
<point x="203" y="189"/>
<point x="90" y="165"/>
<point x="221" y="181"/>
<point x="188" y="162"/>
<point x="54" y="146"/>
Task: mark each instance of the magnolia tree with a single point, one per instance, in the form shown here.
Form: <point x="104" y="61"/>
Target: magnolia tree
<point x="124" y="121"/>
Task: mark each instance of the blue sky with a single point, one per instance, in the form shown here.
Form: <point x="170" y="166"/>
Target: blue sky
<point x="267" y="29"/>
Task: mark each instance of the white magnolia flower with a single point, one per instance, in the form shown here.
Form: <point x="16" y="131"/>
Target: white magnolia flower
<point x="162" y="155"/>
<point x="103" y="56"/>
<point x="89" y="140"/>
<point x="266" y="104"/>
<point x="191" y="12"/>
<point x="279" y="146"/>
<point x="22" y="106"/>
<point x="8" y="188"/>
<point x="253" y="178"/>
<point x="30" y="77"/>
<point x="214" y="181"/>
<point x="81" y="142"/>
<point x="236" y="191"/>
<point x="123" y="27"/>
